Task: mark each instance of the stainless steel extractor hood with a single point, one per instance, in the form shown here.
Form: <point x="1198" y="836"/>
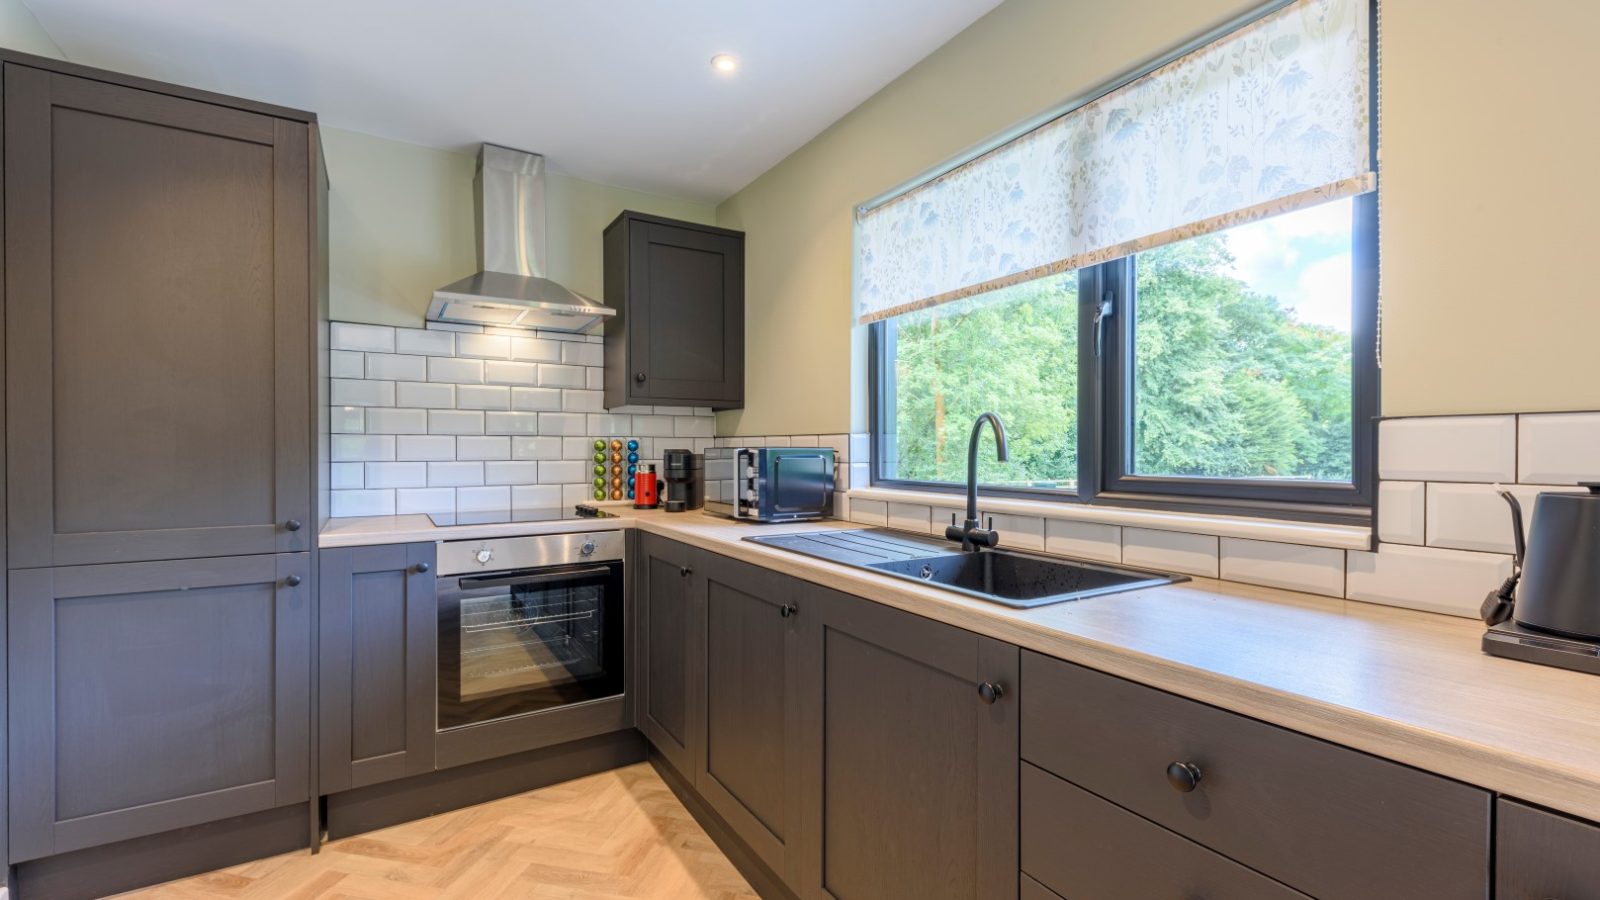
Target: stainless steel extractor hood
<point x="510" y="289"/>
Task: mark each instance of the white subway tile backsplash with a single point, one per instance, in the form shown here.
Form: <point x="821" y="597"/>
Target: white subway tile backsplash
<point x="511" y="423"/>
<point x="653" y="426"/>
<point x="1559" y="448"/>
<point x="483" y="396"/>
<point x="1468" y="517"/>
<point x="362" y="448"/>
<point x="347" y="420"/>
<point x="396" y="367"/>
<point x="781" y="440"/>
<point x="454" y="327"/>
<point x="422" y="342"/>
<point x="869" y="512"/>
<point x="693" y="426"/>
<point x="910" y="517"/>
<point x="538" y="447"/>
<point x="390" y="420"/>
<point x="804" y="440"/>
<point x="562" y="424"/>
<point x="855" y="475"/>
<point x="425" y="448"/>
<point x="1024" y="532"/>
<point x="1084" y="540"/>
<point x="1402" y="510"/>
<point x="483" y="447"/>
<point x="1426" y="578"/>
<point x="572" y="494"/>
<point x="507" y="472"/>
<point x="359" y="392"/>
<point x="347" y="476"/>
<point x="521" y="373"/>
<point x="483" y="346"/>
<point x="605" y="425"/>
<point x="1316" y="570"/>
<point x="536" y="349"/>
<point x="453" y="421"/>
<point x="594" y="379"/>
<point x="422" y="395"/>
<point x="483" y="499"/>
<point x="1448" y="448"/>
<point x="424" y="500"/>
<point x="563" y="471"/>
<point x="361" y="503"/>
<point x="1191" y="554"/>
<point x="581" y="401"/>
<point x="346" y="364"/>
<point x="455" y="474"/>
<point x="860" y="448"/>
<point x="582" y="354"/>
<point x="533" y="399"/>
<point x="397" y="474"/>
<point x="561" y="376"/>
<point x="349" y="336"/>
<point x="535" y="496"/>
<point x="455" y="371"/>
<point x="574" y="448"/>
<point x="840" y="443"/>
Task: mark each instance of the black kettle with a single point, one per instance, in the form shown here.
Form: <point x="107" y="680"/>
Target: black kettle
<point x="1559" y="591"/>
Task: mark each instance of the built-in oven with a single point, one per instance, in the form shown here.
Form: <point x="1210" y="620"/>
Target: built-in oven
<point x="528" y="625"/>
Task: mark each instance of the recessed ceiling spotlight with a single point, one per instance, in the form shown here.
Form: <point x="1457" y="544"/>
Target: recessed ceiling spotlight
<point x="724" y="62"/>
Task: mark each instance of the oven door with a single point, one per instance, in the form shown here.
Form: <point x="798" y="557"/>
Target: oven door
<point x="528" y="640"/>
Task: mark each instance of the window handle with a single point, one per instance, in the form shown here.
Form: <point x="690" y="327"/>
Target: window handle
<point x="1106" y="308"/>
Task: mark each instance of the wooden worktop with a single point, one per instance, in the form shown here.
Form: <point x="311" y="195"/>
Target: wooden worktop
<point x="1409" y="686"/>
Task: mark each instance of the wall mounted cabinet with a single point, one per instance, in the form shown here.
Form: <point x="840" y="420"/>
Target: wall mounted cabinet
<point x="678" y="336"/>
<point x="377" y="677"/>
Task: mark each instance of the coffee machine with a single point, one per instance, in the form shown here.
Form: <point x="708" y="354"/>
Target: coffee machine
<point x="683" y="472"/>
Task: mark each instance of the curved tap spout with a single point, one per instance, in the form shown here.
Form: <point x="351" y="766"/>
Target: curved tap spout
<point x="971" y="536"/>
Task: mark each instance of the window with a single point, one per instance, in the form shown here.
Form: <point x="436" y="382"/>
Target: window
<point x="1168" y="293"/>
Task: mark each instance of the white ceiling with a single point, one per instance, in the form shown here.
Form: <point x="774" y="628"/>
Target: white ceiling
<point x="617" y="91"/>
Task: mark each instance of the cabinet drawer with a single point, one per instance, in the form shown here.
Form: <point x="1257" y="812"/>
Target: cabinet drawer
<point x="1298" y="809"/>
<point x="1082" y="846"/>
<point x="1545" y="856"/>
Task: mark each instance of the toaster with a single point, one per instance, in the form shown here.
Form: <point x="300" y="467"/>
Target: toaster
<point x="769" y="484"/>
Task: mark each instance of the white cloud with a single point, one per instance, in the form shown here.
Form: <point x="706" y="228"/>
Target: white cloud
<point x="1322" y="295"/>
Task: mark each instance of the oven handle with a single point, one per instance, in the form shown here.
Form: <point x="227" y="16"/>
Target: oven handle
<point x="484" y="581"/>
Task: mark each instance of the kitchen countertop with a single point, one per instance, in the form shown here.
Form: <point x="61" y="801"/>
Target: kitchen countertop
<point x="1410" y="686"/>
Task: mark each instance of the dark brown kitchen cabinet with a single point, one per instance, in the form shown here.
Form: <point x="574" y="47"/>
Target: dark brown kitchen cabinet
<point x="1541" y="855"/>
<point x="668" y="707"/>
<point x="158" y="320"/>
<point x="378" y="642"/>
<point x="909" y="733"/>
<point x="677" y="338"/>
<point x="748" y="767"/>
<point x="150" y="696"/>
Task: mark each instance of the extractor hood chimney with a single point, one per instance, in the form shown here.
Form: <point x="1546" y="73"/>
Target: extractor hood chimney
<point x="510" y="289"/>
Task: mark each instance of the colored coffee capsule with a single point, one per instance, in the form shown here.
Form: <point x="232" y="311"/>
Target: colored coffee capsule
<point x="616" y="445"/>
<point x="633" y="457"/>
<point x="633" y="444"/>
<point x="616" y="495"/>
<point x="599" y="493"/>
<point x="599" y="457"/>
<point x="599" y="445"/>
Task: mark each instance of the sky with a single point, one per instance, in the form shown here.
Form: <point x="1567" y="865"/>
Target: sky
<point x="1301" y="258"/>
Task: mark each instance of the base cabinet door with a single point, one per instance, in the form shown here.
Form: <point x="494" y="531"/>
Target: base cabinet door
<point x="910" y="730"/>
<point x="377" y="644"/>
<point x="748" y="763"/>
<point x="1541" y="855"/>
<point x="151" y="696"/>
<point x="669" y="705"/>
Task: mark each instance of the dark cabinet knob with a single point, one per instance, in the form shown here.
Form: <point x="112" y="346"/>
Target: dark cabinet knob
<point x="787" y="610"/>
<point x="422" y="568"/>
<point x="292" y="525"/>
<point x="639" y="377"/>
<point x="685" y="571"/>
<point x="990" y="692"/>
<point x="1184" y="777"/>
<point x="292" y="581"/>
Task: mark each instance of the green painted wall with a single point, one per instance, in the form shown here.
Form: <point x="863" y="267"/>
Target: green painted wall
<point x="19" y="30"/>
<point x="401" y="224"/>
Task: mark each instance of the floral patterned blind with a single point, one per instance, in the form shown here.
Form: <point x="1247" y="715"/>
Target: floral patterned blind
<point x="1272" y="117"/>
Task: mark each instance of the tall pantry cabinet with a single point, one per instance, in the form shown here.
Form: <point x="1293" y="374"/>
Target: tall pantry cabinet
<point x="163" y="273"/>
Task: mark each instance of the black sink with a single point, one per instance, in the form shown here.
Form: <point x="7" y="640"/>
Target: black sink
<point x="1000" y="576"/>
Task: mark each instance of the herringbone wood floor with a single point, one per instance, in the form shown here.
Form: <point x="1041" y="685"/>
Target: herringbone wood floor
<point x="619" y="834"/>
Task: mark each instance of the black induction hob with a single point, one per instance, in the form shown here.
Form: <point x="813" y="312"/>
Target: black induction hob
<point x="510" y="516"/>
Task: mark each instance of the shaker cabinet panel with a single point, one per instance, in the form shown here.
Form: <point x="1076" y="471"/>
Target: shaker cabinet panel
<point x="678" y="335"/>
<point x="1541" y="855"/>
<point x="668" y="707"/>
<point x="150" y="696"/>
<point x="378" y="643"/>
<point x="157" y="288"/>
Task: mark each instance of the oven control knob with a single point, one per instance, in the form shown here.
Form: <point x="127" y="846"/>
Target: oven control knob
<point x="483" y="556"/>
<point x="587" y="549"/>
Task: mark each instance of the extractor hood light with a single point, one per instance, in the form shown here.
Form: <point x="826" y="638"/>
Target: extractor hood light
<point x="726" y="63"/>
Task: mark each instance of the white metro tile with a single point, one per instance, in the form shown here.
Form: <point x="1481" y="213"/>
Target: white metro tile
<point x="346" y="364"/>
<point x="483" y="447"/>
<point x="562" y="424"/>
<point x="1469" y="517"/>
<point x="562" y="376"/>
<point x="359" y="392"/>
<point x="909" y="517"/>
<point x="454" y="327"/>
<point x="396" y="367"/>
<point x="781" y="440"/>
<point x="347" y="420"/>
<point x="803" y="440"/>
<point x="539" y="447"/>
<point x="453" y="421"/>
<point x="1315" y="570"/>
<point x="1426" y="578"/>
<point x="860" y="448"/>
<point x="869" y="512"/>
<point x="505" y="472"/>
<point x="497" y="372"/>
<point x="423" y="342"/>
<point x="1448" y="448"/>
<point x="388" y="420"/>
<point x="582" y="354"/>
<point x="693" y="426"/>
<point x="575" y="448"/>
<point x="536" y="349"/>
<point x="362" y="448"/>
<point x="535" y="496"/>
<point x="511" y="423"/>
<point x="425" y="448"/>
<point x="563" y="471"/>
<point x="346" y="476"/>
<point x="1083" y="540"/>
<point x="485" y="346"/>
<point x="1024" y="532"/>
<point x="653" y="426"/>
<point x="397" y="474"/>
<point x="536" y="399"/>
<point x="424" y="500"/>
<point x="350" y="336"/>
<point x="455" y="371"/>
<point x="423" y="395"/>
<point x="1559" y="448"/>
<point x="455" y="474"/>
<point x="572" y="494"/>
<point x="581" y="401"/>
<point x="361" y="503"/>
<point x="483" y="499"/>
<point x="856" y="476"/>
<point x="841" y="506"/>
<point x="607" y="425"/>
<point x="595" y="379"/>
<point x="1178" y="551"/>
<point x="839" y="443"/>
<point x="483" y="396"/>
<point x="1402" y="509"/>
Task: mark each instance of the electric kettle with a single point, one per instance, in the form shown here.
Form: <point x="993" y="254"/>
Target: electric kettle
<point x="1559" y="590"/>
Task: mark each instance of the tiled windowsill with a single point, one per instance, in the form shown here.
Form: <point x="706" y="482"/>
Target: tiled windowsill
<point x="1338" y="537"/>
